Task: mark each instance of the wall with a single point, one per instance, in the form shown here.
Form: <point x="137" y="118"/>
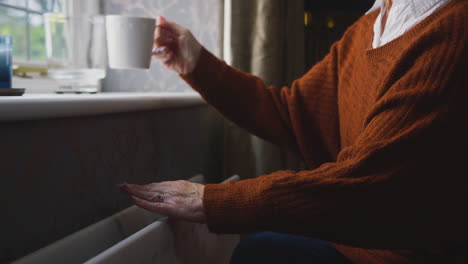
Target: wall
<point x="59" y="175"/>
<point x="203" y="18"/>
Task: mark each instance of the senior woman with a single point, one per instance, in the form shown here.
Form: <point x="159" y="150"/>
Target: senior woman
<point x="381" y="124"/>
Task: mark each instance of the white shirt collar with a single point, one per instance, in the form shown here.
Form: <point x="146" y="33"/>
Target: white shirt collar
<point x="418" y="7"/>
<point x="403" y="15"/>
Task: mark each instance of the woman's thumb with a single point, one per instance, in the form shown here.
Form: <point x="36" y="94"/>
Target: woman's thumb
<point x="160" y="20"/>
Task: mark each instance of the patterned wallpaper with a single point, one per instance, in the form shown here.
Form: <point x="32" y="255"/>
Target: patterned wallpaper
<point x="204" y="20"/>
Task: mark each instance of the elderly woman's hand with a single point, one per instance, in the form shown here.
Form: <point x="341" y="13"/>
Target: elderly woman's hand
<point x="175" y="46"/>
<point x="177" y="199"/>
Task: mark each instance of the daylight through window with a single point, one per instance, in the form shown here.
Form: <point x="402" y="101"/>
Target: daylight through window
<point x="23" y="20"/>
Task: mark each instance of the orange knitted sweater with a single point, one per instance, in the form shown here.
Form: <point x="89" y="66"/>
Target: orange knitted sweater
<point x="383" y="131"/>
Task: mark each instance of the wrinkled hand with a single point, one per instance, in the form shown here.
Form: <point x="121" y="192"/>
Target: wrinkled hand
<point x="180" y="199"/>
<point x="175" y="46"/>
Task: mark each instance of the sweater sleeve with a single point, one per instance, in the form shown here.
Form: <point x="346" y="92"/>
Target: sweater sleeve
<point x="265" y="111"/>
<point x="402" y="184"/>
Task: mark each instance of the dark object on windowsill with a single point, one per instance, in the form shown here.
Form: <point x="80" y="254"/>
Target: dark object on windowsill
<point x="75" y="92"/>
<point x="11" y="91"/>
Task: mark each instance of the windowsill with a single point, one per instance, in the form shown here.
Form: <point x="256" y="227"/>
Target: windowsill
<point x="41" y="106"/>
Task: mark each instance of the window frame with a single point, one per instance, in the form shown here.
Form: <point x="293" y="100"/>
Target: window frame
<point x="28" y="11"/>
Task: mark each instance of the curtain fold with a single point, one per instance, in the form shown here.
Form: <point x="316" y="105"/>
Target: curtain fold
<point x="266" y="38"/>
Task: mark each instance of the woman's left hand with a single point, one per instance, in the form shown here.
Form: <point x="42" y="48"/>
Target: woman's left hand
<point x="178" y="199"/>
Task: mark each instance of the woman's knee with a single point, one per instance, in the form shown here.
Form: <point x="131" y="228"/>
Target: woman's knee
<point x="269" y="247"/>
<point x="253" y="249"/>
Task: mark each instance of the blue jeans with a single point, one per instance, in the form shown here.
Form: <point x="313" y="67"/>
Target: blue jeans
<point x="275" y="248"/>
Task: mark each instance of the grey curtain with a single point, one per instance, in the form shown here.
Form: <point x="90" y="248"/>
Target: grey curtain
<point x="266" y="39"/>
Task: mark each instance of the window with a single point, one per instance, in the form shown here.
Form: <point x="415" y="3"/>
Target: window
<point x="23" y="20"/>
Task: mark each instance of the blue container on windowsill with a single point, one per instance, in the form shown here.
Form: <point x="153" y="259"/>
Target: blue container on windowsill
<point x="6" y="48"/>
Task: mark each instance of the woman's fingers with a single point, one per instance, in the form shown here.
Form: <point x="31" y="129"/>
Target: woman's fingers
<point x="175" y="46"/>
<point x="165" y="41"/>
<point x="162" y="208"/>
<point x="163" y="53"/>
<point x="166" y="30"/>
<point x="180" y="199"/>
<point x="163" y="36"/>
<point x="140" y="191"/>
<point x="160" y="52"/>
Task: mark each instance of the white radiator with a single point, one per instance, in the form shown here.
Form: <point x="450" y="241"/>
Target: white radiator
<point x="135" y="235"/>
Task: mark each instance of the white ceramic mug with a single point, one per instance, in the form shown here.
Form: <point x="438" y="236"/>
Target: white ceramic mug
<point x="129" y="41"/>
